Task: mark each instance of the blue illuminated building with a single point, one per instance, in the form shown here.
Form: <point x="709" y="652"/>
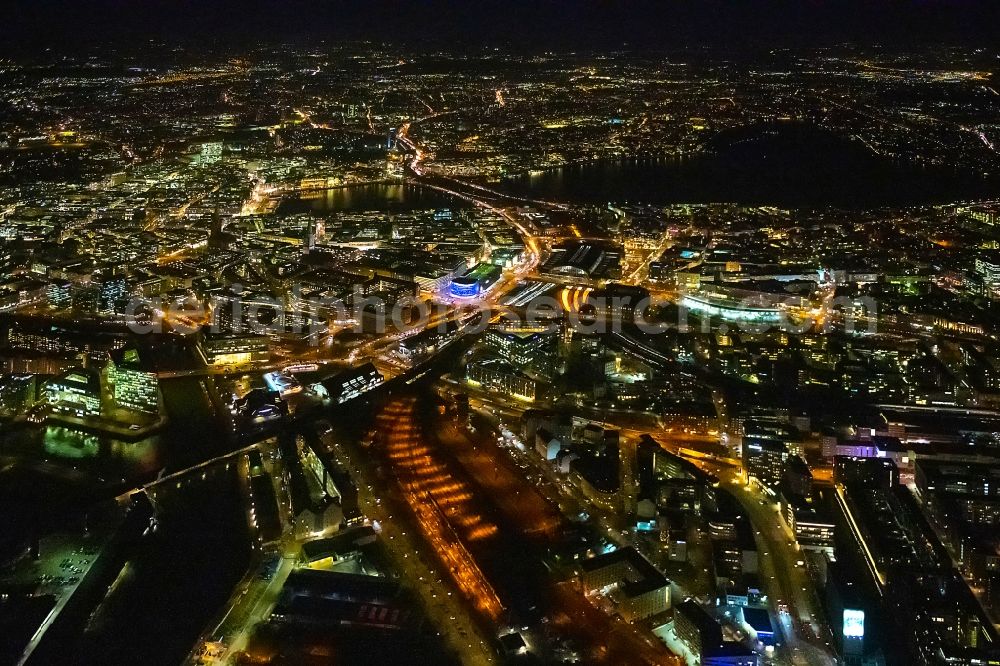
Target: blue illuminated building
<point x="464" y="287"/>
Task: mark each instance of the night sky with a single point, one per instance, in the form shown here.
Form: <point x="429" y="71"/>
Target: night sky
<point x="541" y="23"/>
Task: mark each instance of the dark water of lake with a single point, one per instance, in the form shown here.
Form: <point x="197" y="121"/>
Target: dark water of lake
<point x="784" y="165"/>
<point x="379" y="196"/>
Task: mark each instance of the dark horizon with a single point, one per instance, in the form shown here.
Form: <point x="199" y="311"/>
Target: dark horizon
<point x="555" y="24"/>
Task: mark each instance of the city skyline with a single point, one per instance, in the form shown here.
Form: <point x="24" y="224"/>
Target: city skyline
<point x="455" y="335"/>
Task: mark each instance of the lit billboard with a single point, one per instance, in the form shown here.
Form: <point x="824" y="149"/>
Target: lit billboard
<point x="854" y="623"/>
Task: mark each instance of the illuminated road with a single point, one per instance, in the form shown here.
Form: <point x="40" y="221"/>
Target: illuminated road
<point x="807" y="638"/>
<point x="250" y="605"/>
<point x="418" y="169"/>
<point x="804" y="634"/>
<point x="640" y="273"/>
<point x="476" y="194"/>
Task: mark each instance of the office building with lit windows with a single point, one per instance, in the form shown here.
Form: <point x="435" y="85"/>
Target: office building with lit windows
<point x="233" y="349"/>
<point x="635" y="587"/>
<point x="76" y="392"/>
<point x="17" y="393"/>
<point x="134" y="385"/>
<point x="521" y="348"/>
<point x="988" y="268"/>
<point x="112" y="295"/>
<point x="501" y="376"/>
<point x="906" y="582"/>
<point x="59" y="294"/>
<point x="765" y="459"/>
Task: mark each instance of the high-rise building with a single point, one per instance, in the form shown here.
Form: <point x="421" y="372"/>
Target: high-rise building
<point x="765" y="459"/>
<point x="135" y="386"/>
<point x="988" y="268"/>
<point x="17" y="393"/>
<point x="112" y="295"/>
<point x="846" y="606"/>
<point x="59" y="294"/>
<point x="521" y="348"/>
